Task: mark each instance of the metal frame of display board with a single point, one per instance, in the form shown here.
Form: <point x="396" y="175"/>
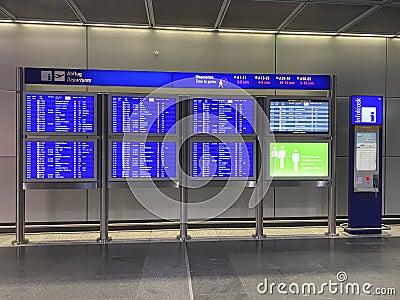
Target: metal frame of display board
<point x="330" y="182"/>
<point x="103" y="167"/>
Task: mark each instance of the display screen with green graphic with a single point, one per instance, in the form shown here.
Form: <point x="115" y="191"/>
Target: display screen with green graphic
<point x="298" y="160"/>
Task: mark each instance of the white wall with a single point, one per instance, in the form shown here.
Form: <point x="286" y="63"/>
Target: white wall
<point x="363" y="66"/>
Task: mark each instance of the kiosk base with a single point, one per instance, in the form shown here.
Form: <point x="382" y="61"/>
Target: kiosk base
<point x="369" y="230"/>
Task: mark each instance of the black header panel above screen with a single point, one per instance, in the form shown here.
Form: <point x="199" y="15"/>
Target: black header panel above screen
<point x="299" y="115"/>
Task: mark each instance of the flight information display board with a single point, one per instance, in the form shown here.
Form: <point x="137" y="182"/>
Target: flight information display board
<point x="143" y="160"/>
<point x="299" y="160"/>
<point x="217" y="159"/>
<point x="223" y="116"/>
<point x="299" y="116"/>
<point x="143" y="114"/>
<point x="59" y="160"/>
<point x="60" y="114"/>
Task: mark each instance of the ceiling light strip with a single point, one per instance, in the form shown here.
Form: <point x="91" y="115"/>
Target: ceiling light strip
<point x="76" y="11"/>
<point x="222" y="12"/>
<point x="39" y="22"/>
<point x="246" y="31"/>
<point x="222" y="30"/>
<point x="292" y="15"/>
<point x="150" y="12"/>
<point x="110" y="25"/>
<point x="7" y="13"/>
<point x="184" y="28"/>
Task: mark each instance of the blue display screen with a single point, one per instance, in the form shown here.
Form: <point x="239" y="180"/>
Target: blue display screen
<point x="223" y="116"/>
<point x="59" y="114"/>
<point x="143" y="115"/>
<point x="60" y="160"/>
<point x="217" y="159"/>
<point x="175" y="79"/>
<point x="143" y="160"/>
<point x="251" y="81"/>
<point x="299" y="116"/>
<point x="366" y="110"/>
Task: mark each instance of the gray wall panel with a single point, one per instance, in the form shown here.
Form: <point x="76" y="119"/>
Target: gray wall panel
<point x="7" y="188"/>
<point x="33" y="45"/>
<point x="294" y="202"/>
<point x="342" y="127"/>
<point x="358" y="62"/>
<point x="342" y="175"/>
<point x="124" y="205"/>
<point x="393" y="68"/>
<point x="55" y="205"/>
<point x="7" y="123"/>
<point x="180" y="51"/>
<point x="269" y="203"/>
<point x="392" y="127"/>
<point x="392" y="200"/>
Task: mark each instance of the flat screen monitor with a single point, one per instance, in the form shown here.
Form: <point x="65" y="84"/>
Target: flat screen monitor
<point x="134" y="114"/>
<point x="143" y="160"/>
<point x="223" y="116"/>
<point x="60" y="114"/>
<point x="60" y="160"/>
<point x="299" y="160"/>
<point x="222" y="160"/>
<point x="366" y="151"/>
<point x="302" y="116"/>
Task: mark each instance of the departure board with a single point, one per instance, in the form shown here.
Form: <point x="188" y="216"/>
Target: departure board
<point x="143" y="115"/>
<point x="59" y="114"/>
<point x="51" y="160"/>
<point x="143" y="160"/>
<point x="223" y="116"/>
<point x="299" y="116"/>
<point x="217" y="159"/>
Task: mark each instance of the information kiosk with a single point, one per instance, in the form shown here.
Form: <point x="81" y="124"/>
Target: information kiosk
<point x="365" y="165"/>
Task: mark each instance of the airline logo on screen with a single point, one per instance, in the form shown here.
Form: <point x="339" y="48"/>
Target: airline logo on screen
<point x="367" y="110"/>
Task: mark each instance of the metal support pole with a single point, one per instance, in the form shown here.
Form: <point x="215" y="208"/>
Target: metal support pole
<point x="259" y="221"/>
<point x="183" y="157"/>
<point x="20" y="192"/>
<point x="183" y="228"/>
<point x="104" y="195"/>
<point x="332" y="189"/>
<point x="259" y="189"/>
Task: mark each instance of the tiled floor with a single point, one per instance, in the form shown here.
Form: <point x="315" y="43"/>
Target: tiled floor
<point x="170" y="235"/>
<point x="199" y="270"/>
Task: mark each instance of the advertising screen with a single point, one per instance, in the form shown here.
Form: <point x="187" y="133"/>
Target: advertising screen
<point x="143" y="115"/>
<point x="59" y="114"/>
<point x="299" y="116"/>
<point x="297" y="160"/>
<point x="51" y="160"/>
<point x="217" y="159"/>
<point x="143" y="160"/>
<point x="223" y="116"/>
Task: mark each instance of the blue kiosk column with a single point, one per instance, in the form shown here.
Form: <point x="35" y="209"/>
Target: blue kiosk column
<point x="365" y="165"/>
